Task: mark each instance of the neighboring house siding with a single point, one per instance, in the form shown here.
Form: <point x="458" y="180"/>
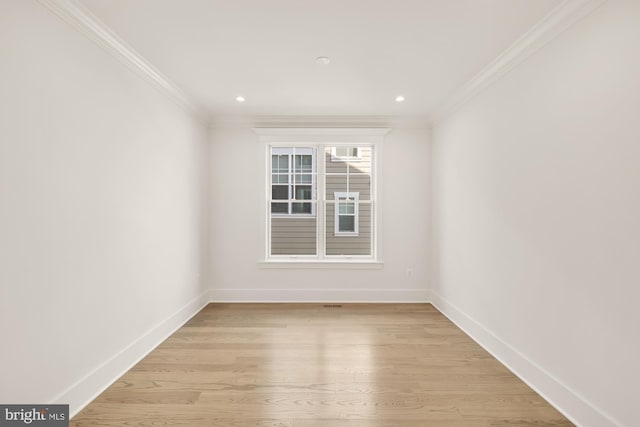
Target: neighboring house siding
<point x="293" y="236"/>
<point x="349" y="245"/>
<point x="359" y="180"/>
<point x="357" y="183"/>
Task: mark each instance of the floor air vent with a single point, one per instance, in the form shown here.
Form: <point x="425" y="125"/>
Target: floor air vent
<point x="333" y="306"/>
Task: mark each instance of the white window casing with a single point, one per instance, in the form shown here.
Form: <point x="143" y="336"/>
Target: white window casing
<point x="291" y="141"/>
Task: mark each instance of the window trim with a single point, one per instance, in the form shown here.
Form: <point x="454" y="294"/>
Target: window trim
<point x="321" y="138"/>
<point x="336" y="213"/>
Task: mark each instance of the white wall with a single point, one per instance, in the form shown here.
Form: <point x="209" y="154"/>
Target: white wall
<point x="536" y="217"/>
<point x="238" y="182"/>
<point x="102" y="206"/>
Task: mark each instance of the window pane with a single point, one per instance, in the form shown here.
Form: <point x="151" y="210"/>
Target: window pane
<point x="335" y="183"/>
<point x="280" y="192"/>
<point x="361" y="166"/>
<point x="346" y="223"/>
<point x="303" y="179"/>
<point x="348" y="184"/>
<point x="293" y="235"/>
<point x="292" y="178"/>
<point x="301" y="208"/>
<point x="303" y="192"/>
<point x="303" y="163"/>
<point x="360" y="184"/>
<point x="279" y="163"/>
<point x="280" y="208"/>
<point x="332" y="165"/>
<point x="337" y="244"/>
<point x="280" y="179"/>
<point x="346" y="152"/>
<point x="346" y="208"/>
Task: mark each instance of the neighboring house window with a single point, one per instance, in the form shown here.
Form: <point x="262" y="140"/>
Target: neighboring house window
<point x="346" y="214"/>
<point x="292" y="181"/>
<point x="322" y="196"/>
<point x="345" y="153"/>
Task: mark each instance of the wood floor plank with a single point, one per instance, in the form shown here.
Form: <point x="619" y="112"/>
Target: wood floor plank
<point x="306" y="365"/>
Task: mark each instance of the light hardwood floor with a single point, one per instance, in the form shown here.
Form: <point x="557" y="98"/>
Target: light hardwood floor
<point x="307" y="365"/>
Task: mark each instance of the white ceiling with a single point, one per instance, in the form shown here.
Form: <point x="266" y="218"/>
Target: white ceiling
<point x="265" y="50"/>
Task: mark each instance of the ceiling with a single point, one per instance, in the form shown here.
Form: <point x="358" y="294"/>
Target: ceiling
<point x="215" y="50"/>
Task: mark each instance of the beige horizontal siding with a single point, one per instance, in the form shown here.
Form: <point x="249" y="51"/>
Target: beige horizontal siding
<point x="293" y="236"/>
<point x="357" y="183"/>
<point x="349" y="245"/>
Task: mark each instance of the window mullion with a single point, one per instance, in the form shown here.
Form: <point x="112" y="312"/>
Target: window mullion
<point x="320" y="200"/>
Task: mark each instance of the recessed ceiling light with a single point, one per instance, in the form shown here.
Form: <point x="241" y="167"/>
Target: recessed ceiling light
<point x="323" y="60"/>
<point x="399" y="98"/>
<point x="240" y="98"/>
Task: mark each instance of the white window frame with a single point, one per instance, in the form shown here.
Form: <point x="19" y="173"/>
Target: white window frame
<point x="336" y="224"/>
<point x="336" y="158"/>
<point x="321" y="138"/>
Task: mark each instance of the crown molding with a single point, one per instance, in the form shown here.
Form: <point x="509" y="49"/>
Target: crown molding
<point x="88" y="24"/>
<point x="557" y="21"/>
<point x="397" y="122"/>
<point x="321" y="131"/>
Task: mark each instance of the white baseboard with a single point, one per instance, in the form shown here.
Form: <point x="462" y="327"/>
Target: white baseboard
<point x="95" y="382"/>
<point x="320" y="295"/>
<point x="571" y="404"/>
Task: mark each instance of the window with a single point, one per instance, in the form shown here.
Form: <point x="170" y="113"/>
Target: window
<point x="292" y="181"/>
<point x="345" y="153"/>
<point x="346" y="214"/>
<point x="322" y="196"/>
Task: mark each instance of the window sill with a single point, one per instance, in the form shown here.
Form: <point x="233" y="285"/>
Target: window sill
<point x="347" y="264"/>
